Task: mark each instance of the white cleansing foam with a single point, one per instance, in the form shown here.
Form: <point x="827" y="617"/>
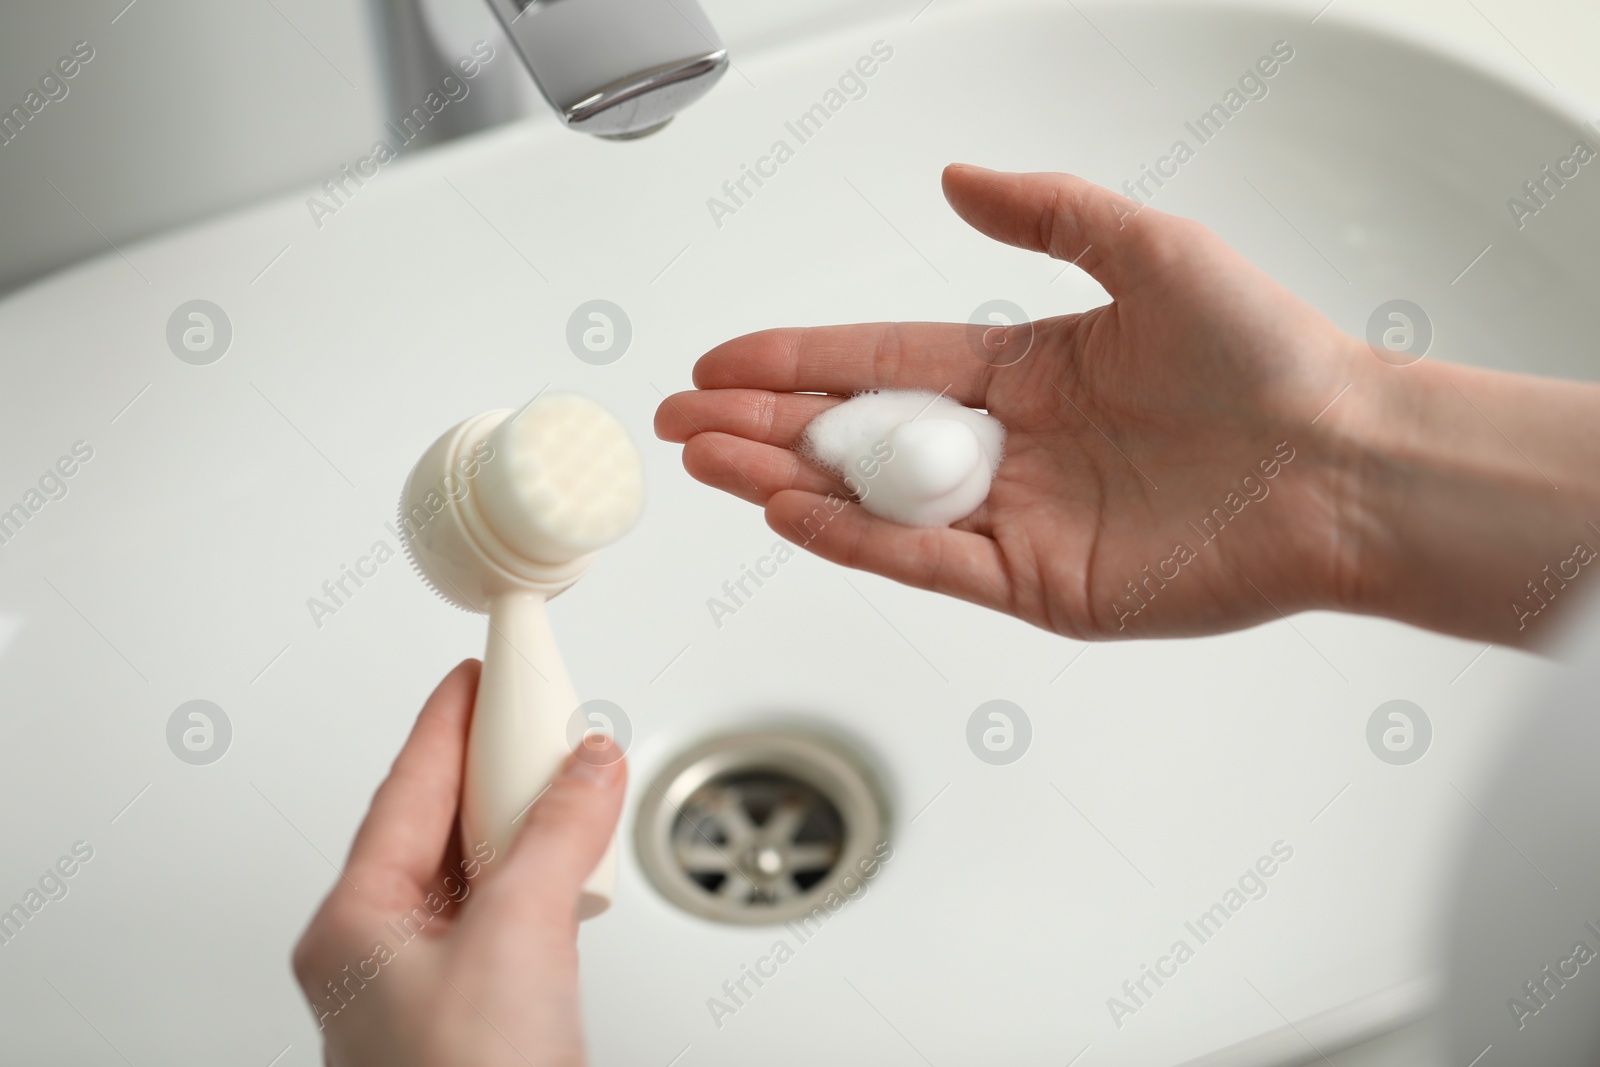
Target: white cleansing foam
<point x="912" y="457"/>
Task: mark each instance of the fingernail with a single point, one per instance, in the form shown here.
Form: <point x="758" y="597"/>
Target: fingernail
<point x="596" y="759"/>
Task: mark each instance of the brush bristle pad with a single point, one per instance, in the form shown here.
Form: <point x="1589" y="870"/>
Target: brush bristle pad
<point x="564" y="479"/>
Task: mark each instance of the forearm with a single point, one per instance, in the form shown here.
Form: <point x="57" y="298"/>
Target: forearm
<point x="1468" y="501"/>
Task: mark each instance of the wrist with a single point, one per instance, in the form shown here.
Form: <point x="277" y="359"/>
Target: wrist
<point x="1442" y="481"/>
<point x="1384" y="462"/>
<point x="1351" y="447"/>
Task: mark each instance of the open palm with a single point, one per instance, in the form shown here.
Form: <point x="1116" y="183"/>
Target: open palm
<point x="1165" y="469"/>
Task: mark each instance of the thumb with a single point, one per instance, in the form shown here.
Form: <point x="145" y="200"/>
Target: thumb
<point x="1074" y="220"/>
<point x="567" y="829"/>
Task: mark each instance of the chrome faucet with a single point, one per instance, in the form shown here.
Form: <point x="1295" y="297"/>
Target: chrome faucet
<point x="615" y="68"/>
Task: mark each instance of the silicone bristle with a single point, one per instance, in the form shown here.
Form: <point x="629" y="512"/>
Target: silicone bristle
<point x="416" y="564"/>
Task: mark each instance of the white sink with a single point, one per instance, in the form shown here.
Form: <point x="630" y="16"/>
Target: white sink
<point x="1019" y="898"/>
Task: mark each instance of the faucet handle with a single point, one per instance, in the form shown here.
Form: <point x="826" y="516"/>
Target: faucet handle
<point x="615" y="68"/>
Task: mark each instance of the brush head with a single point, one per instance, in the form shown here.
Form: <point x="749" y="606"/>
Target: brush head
<point x="520" y="501"/>
<point x="565" y="479"/>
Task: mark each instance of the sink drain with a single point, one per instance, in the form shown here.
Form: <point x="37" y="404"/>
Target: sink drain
<point x="757" y="828"/>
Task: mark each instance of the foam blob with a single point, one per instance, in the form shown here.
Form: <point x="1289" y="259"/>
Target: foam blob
<point x="912" y="457"/>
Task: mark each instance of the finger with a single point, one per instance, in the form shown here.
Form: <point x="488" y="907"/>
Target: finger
<point x="413" y="815"/>
<point x="562" y="838"/>
<point x="1071" y="219"/>
<point x="752" y="471"/>
<point x="844" y="360"/>
<point x="958" y="563"/>
<point x="756" y="414"/>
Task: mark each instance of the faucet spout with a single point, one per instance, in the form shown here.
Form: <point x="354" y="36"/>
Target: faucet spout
<point x="615" y="68"/>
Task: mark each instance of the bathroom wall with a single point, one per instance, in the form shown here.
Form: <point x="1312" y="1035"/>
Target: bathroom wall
<point x="189" y="108"/>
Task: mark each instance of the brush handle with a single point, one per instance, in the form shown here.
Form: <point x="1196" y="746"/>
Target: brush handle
<point x="519" y="734"/>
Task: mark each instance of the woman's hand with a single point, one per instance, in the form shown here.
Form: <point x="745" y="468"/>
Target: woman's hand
<point x="1205" y="452"/>
<point x="433" y="951"/>
<point x="1163" y="474"/>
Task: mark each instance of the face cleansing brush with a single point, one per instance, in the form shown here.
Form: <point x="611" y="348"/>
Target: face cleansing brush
<point x="502" y="513"/>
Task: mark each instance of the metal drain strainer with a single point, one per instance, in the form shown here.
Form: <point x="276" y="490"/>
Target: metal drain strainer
<point x="757" y="828"/>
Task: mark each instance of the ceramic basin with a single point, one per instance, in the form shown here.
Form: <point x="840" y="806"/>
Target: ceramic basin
<point x="1020" y="898"/>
